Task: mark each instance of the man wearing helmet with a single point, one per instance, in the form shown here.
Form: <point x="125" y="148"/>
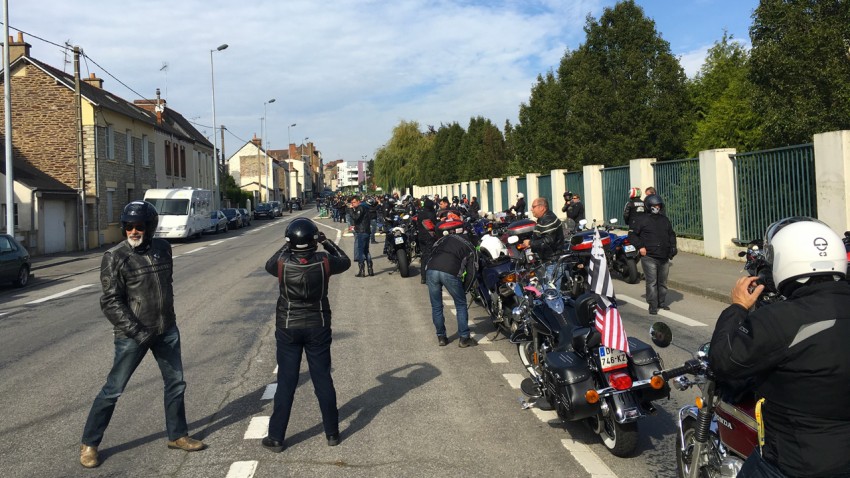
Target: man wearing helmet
<point x="519" y="208"/>
<point x="794" y="352"/>
<point x="138" y="299"/>
<point x="303" y="324"/>
<point x="652" y="234"/>
<point x="634" y="206"/>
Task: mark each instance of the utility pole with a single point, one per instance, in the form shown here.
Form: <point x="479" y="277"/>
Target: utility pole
<point x="78" y="105"/>
<point x="7" y="117"/>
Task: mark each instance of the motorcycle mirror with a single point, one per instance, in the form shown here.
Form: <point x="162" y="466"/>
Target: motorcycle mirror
<point x="661" y="334"/>
<point x="703" y="350"/>
<point x="513" y="239"/>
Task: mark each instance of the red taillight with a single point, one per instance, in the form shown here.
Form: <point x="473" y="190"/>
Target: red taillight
<point x="620" y="381"/>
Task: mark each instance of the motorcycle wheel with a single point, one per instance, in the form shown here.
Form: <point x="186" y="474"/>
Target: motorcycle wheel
<point x="630" y="272"/>
<point x="526" y="353"/>
<point x="620" y="439"/>
<point x="683" y="457"/>
<point x="401" y="259"/>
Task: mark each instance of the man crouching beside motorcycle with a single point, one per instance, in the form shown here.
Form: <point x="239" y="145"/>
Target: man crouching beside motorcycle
<point x="796" y="352"/>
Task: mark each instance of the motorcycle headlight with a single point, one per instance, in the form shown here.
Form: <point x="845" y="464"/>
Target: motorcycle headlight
<point x="517" y="313"/>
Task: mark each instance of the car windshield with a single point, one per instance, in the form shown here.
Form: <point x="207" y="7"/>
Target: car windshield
<point x="170" y="207"/>
<point x="214" y="215"/>
<point x="262" y="207"/>
<point x="229" y="212"/>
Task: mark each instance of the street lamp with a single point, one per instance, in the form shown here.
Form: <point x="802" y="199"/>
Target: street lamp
<point x="288" y="188"/>
<point x="288" y="135"/>
<point x="217" y="200"/>
<point x="265" y="148"/>
<point x="303" y="146"/>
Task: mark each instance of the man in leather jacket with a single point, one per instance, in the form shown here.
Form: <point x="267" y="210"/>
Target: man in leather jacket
<point x="634" y="207"/>
<point x="426" y="224"/>
<point x="362" y="230"/>
<point x="138" y="300"/>
<point x="547" y="240"/>
<point x="794" y="352"/>
<point x="652" y="234"/>
<point x="303" y="324"/>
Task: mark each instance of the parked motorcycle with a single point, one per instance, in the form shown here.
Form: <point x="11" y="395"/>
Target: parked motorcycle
<point x="400" y="243"/>
<point x="623" y="257"/>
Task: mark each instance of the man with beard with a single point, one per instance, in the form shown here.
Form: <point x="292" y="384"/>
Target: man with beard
<point x="138" y="299"/>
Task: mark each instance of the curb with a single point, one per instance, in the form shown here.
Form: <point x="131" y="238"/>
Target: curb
<point x="703" y="291"/>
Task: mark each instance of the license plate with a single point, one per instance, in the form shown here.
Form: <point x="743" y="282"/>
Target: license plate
<point x="612" y="359"/>
<point x="399" y="240"/>
<point x="629" y="248"/>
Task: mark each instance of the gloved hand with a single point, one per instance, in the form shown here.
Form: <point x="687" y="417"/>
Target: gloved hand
<point x="322" y="238"/>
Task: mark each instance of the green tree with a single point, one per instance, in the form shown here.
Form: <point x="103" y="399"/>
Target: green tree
<point x="626" y="93"/>
<point x="397" y="162"/>
<point x="539" y="140"/>
<point x="482" y="151"/>
<point x="800" y="67"/>
<point x="441" y="164"/>
<point x="723" y="101"/>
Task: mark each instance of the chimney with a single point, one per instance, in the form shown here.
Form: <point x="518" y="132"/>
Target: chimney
<point x="154" y="106"/>
<point x="258" y="142"/>
<point x="18" y="48"/>
<point x="94" y="81"/>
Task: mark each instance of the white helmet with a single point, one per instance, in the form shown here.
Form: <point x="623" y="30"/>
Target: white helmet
<point x="800" y="247"/>
<point x="520" y="195"/>
<point x="493" y="247"/>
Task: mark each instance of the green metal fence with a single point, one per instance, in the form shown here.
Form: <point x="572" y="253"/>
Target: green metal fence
<point x="615" y="192"/>
<point x="522" y="187"/>
<point x="544" y="190"/>
<point x="773" y="184"/>
<point x="575" y="183"/>
<point x="490" y="204"/>
<point x="505" y="199"/>
<point x="677" y="182"/>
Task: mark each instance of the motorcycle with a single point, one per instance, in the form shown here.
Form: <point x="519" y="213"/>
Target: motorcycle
<point x="576" y="375"/>
<point x="715" y="438"/>
<point x="400" y="244"/>
<point x="623" y="257"/>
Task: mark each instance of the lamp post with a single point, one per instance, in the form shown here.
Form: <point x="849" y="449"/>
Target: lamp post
<point x="265" y="148"/>
<point x="217" y="200"/>
<point x="304" y="190"/>
<point x="288" y="143"/>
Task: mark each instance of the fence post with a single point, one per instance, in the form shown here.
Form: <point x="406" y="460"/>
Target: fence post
<point x="483" y="197"/>
<point x="641" y="173"/>
<point x="559" y="187"/>
<point x="832" y="179"/>
<point x="512" y="191"/>
<point x="593" y="196"/>
<point x="531" y="189"/>
<point x="496" y="184"/>
<point x="717" y="192"/>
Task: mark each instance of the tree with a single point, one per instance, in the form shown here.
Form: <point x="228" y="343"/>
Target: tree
<point x="800" y="67"/>
<point x="723" y="101"/>
<point x="441" y="164"/>
<point x="397" y="162"/>
<point x="626" y="92"/>
<point x="482" y="151"/>
<point x="539" y="140"/>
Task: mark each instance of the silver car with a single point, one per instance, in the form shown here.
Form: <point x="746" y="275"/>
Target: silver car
<point x="218" y="222"/>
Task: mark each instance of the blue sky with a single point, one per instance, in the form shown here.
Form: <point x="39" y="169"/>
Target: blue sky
<point x="345" y="71"/>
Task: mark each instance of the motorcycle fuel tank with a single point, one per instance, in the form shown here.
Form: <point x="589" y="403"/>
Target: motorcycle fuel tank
<point x="737" y="426"/>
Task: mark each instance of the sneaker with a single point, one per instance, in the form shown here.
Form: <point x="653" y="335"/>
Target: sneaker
<point x="333" y="439"/>
<point x="467" y="342"/>
<point x="442" y="341"/>
<point x="273" y="445"/>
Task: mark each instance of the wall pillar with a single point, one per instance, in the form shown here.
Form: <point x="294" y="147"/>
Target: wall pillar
<point x="641" y="173"/>
<point x="496" y="184"/>
<point x="532" y="189"/>
<point x="559" y="188"/>
<point x="832" y="176"/>
<point x="483" y="197"/>
<point x="513" y="189"/>
<point x="719" y="214"/>
<point x="592" y="199"/>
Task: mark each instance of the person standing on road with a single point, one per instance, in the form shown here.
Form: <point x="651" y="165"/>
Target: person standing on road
<point x="795" y="349"/>
<point x="652" y="234"/>
<point x="138" y="299"/>
<point x="362" y="230"/>
<point x="303" y="324"/>
<point x="451" y="256"/>
<point x="373" y="219"/>
<point x="425" y="230"/>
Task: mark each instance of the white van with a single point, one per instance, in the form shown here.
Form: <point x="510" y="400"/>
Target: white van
<point x="183" y="212"/>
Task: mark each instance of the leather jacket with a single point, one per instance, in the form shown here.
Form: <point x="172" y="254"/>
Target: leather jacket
<point x="303" y="284"/>
<point x="655" y="233"/>
<point x="138" y="297"/>
<point x="633" y="209"/>
<point x="360" y="216"/>
<point x="547" y="240"/>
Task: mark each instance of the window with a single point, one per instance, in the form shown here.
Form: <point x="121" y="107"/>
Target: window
<point x="14" y="214"/>
<point x="183" y="162"/>
<point x="129" y="147"/>
<point x="110" y="142"/>
<point x="145" y="151"/>
<point x="175" y="159"/>
<point x="110" y="202"/>
<point x="168" y="158"/>
<point x="131" y="194"/>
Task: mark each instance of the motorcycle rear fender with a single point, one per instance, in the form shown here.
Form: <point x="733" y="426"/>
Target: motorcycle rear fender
<point x="626" y="402"/>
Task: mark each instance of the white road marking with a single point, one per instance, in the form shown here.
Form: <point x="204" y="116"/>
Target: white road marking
<point x="514" y="379"/>
<point x="195" y="250"/>
<point x="216" y="243"/>
<point x="242" y="469"/>
<point x="666" y="313"/>
<point x="268" y="394"/>
<point x="588" y="459"/>
<point x="495" y="356"/>
<point x="275" y="370"/>
<point x="482" y="339"/>
<point x="546" y="416"/>
<point x="258" y="428"/>
<point x="61" y="294"/>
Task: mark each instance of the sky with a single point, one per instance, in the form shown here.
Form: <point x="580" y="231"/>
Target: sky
<point x="344" y="72"/>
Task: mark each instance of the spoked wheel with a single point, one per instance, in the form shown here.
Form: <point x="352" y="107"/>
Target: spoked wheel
<point x="620" y="439"/>
<point x="684" y="458"/>
<point x="526" y="356"/>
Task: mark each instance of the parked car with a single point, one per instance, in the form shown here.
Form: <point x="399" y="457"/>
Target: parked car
<point x="218" y="222"/>
<point x="296" y="204"/>
<point x="246" y="216"/>
<point x="234" y="219"/>
<point x="15" y="262"/>
<point x="263" y="209"/>
<point x="276" y="207"/>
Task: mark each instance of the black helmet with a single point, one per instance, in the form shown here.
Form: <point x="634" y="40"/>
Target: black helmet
<point x="302" y="235"/>
<point x="140" y="212"/>
<point x="653" y="200"/>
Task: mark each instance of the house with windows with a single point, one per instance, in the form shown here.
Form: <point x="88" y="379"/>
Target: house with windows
<point x="255" y="170"/>
<point x="121" y="150"/>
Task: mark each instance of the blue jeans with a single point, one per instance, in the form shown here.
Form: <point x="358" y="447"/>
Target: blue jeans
<point x="374" y="230"/>
<point x="757" y="467"/>
<point x="291" y="344"/>
<point x="436" y="280"/>
<point x="361" y="247"/>
<point x="128" y="356"/>
<point x="655" y="271"/>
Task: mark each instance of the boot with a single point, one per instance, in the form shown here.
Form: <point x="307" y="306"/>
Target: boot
<point x="371" y="271"/>
<point x="360" y="273"/>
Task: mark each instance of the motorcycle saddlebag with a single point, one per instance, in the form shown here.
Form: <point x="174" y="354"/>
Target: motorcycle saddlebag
<point x="573" y="379"/>
<point x="644" y="362"/>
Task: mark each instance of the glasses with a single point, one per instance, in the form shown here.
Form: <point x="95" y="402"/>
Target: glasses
<point x="138" y="227"/>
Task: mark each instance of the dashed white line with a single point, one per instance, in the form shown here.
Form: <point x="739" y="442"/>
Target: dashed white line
<point x="588" y="459"/>
<point x="546" y="416"/>
<point x="61" y="294"/>
<point x="666" y="313"/>
<point x="3" y="313"/>
<point x="242" y="469"/>
<point x="195" y="250"/>
<point x="514" y="379"/>
<point x="495" y="356"/>
<point x="258" y="428"/>
<point x="482" y="339"/>
<point x="268" y="394"/>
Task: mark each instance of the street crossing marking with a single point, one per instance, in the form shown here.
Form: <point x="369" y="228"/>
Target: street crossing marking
<point x="61" y="294"/>
<point x="514" y="379"/>
<point x="588" y="459"/>
<point x="195" y="250"/>
<point x="666" y="313"/>
<point x="482" y="339"/>
<point x="495" y="356"/>
<point x="242" y="469"/>
<point x="268" y="394"/>
<point x="258" y="428"/>
<point x="546" y="416"/>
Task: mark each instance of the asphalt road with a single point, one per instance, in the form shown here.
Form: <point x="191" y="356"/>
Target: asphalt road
<point x="407" y="406"/>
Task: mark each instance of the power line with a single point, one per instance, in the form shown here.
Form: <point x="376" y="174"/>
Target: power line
<point x="64" y="47"/>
